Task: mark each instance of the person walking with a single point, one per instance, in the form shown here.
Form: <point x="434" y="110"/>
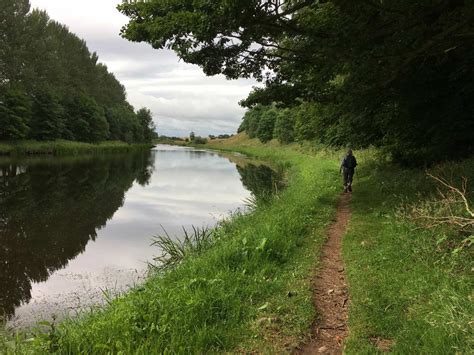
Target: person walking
<point x="348" y="165"/>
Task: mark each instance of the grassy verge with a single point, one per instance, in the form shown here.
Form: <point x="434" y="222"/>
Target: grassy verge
<point x="249" y="291"/>
<point x="411" y="288"/>
<point x="170" y="141"/>
<point x="62" y="147"/>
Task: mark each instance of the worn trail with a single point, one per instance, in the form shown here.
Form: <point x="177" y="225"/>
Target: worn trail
<point x="330" y="294"/>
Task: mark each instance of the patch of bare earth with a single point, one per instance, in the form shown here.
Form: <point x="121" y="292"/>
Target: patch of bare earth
<point x="331" y="298"/>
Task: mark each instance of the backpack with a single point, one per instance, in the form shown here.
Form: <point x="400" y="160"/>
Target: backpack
<point x="349" y="162"/>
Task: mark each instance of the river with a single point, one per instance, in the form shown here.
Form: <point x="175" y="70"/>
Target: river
<point x="75" y="230"/>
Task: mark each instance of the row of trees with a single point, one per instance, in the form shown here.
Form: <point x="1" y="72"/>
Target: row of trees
<point x="52" y="87"/>
<point x="196" y="139"/>
<point x="396" y="74"/>
<point x="306" y="121"/>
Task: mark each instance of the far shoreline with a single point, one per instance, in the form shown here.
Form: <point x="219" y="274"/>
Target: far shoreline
<point x="66" y="148"/>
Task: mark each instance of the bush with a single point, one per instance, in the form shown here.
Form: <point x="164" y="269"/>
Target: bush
<point x="285" y="127"/>
<point x="199" y="140"/>
<point x="266" y="125"/>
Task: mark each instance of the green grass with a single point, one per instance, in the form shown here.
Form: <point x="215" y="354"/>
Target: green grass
<point x="5" y="149"/>
<point x="62" y="147"/>
<point x="248" y="292"/>
<point x="408" y="285"/>
<point x="169" y="141"/>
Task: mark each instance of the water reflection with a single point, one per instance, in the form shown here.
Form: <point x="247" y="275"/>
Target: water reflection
<point x="50" y="209"/>
<point x="261" y="180"/>
<point x="67" y="222"/>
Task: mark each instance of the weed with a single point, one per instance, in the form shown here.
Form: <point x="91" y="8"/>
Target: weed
<point x="174" y="251"/>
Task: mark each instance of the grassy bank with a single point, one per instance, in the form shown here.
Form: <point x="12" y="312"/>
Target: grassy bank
<point x="248" y="291"/>
<point x="62" y="147"/>
<point x="411" y="286"/>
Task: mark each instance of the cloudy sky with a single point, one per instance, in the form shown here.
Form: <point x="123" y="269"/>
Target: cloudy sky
<point x="180" y="96"/>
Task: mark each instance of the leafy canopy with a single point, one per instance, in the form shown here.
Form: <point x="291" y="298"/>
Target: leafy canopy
<point x="397" y="74"/>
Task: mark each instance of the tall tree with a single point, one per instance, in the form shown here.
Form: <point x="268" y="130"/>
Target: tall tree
<point x="15" y="113"/>
<point x="145" y="118"/>
<point x="285" y="127"/>
<point x="396" y="73"/>
<point x="71" y="92"/>
<point x="47" y="121"/>
<point x="266" y="125"/>
<point x="86" y="120"/>
<point x="13" y="46"/>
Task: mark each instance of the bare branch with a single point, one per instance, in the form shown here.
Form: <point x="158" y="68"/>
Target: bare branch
<point x="448" y="209"/>
<point x="461" y="194"/>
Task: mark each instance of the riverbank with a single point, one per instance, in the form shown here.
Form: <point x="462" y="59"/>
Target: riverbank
<point x="62" y="147"/>
<point x="250" y="290"/>
<point x="247" y="288"/>
<point x="410" y="280"/>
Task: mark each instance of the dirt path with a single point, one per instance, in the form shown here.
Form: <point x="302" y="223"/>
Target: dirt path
<point x="330" y="295"/>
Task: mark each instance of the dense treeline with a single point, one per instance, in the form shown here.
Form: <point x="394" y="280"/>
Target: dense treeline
<point x="395" y="74"/>
<point x="52" y="87"/>
<point x="296" y="124"/>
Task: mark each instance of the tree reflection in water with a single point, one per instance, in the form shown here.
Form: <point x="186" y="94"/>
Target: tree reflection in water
<point x="51" y="208"/>
<point x="261" y="180"/>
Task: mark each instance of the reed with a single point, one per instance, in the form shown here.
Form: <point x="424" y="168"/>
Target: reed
<point x="175" y="250"/>
<point x="63" y="148"/>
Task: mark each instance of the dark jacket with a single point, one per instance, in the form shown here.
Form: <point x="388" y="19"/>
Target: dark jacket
<point x="349" y="162"/>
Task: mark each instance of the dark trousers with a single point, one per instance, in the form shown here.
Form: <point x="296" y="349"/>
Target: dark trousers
<point x="347" y="175"/>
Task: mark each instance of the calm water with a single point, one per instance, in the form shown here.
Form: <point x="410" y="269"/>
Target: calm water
<point x="73" y="227"/>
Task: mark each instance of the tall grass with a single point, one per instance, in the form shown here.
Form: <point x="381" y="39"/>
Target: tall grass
<point x="410" y="286"/>
<point x="175" y="250"/>
<point x="62" y="147"/>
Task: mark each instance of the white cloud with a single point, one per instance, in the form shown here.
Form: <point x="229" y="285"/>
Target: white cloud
<point x="180" y="96"/>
